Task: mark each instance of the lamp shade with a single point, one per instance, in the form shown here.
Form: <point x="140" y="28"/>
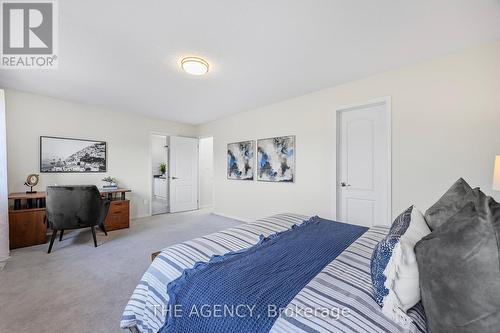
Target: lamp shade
<point x="496" y="174"/>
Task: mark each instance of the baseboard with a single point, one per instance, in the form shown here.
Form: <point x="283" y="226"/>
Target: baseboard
<point x="3" y="262"/>
<point x="140" y="216"/>
<point x="206" y="206"/>
<point x="239" y="218"/>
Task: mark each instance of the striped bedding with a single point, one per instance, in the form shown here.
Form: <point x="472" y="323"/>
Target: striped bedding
<point x="343" y="284"/>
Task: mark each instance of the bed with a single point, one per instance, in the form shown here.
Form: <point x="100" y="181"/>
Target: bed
<point x="343" y="283"/>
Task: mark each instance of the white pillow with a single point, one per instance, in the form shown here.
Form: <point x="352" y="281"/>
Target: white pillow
<point x="402" y="279"/>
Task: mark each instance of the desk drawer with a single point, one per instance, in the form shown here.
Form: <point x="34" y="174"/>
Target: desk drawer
<point x="118" y="206"/>
<point x="118" y="215"/>
<point x="27" y="227"/>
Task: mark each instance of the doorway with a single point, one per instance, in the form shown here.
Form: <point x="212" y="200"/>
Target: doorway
<point x="363" y="186"/>
<point x="206" y="158"/>
<point x="159" y="174"/>
<point x="174" y="174"/>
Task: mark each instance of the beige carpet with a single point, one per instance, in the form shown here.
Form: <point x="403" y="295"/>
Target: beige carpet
<point x="79" y="288"/>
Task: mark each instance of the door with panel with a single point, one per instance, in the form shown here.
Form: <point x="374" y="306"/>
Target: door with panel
<point x="183" y="174"/>
<point x="363" y="165"/>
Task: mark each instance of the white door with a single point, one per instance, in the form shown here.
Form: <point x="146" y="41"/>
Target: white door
<point x="363" y="165"/>
<point x="183" y="174"/>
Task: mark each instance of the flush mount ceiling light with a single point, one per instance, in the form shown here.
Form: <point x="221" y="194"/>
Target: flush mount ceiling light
<point x="194" y="65"/>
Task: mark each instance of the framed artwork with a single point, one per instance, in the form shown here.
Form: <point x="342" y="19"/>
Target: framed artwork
<point x="241" y="160"/>
<point x="64" y="155"/>
<point x="276" y="159"/>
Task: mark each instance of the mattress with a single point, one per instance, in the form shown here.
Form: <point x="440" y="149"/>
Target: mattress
<point x="344" y="284"/>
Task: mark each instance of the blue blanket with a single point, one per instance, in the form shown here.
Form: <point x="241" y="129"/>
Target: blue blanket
<point x="244" y="291"/>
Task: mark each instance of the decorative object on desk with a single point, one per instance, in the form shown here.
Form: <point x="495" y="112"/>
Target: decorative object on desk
<point x="111" y="183"/>
<point x="496" y="174"/>
<point x="31" y="182"/>
<point x="163" y="168"/>
<point x="72" y="155"/>
<point x="240" y="160"/>
<point x="276" y="159"/>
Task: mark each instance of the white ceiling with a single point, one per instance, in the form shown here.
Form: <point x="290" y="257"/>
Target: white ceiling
<point x="125" y="55"/>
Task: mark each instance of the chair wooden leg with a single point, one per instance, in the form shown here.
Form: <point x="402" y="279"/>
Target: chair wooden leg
<point x="52" y="239"/>
<point x="60" y="236"/>
<point x="93" y="235"/>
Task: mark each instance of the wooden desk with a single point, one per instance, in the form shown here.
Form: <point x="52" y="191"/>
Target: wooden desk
<point x="33" y="200"/>
<point x="112" y="193"/>
<point x="27" y="223"/>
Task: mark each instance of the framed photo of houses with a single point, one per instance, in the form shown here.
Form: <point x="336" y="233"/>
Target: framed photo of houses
<point x="65" y="155"/>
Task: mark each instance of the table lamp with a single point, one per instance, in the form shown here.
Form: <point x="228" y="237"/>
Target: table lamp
<point x="496" y="174"/>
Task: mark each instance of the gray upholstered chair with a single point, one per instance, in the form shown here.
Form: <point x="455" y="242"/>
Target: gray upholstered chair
<point x="74" y="207"/>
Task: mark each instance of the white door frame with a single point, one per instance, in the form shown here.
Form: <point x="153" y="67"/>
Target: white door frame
<point x="335" y="131"/>
<point x="4" y="202"/>
<point x="213" y="168"/>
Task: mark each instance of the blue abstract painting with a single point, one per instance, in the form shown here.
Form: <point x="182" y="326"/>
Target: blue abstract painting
<point x="276" y="159"/>
<point x="240" y="160"/>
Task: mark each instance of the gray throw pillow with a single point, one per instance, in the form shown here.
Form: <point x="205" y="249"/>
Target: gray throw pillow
<point x="457" y="196"/>
<point x="459" y="266"/>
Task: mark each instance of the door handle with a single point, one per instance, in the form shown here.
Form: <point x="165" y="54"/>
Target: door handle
<point x="175" y="178"/>
<point x="343" y="184"/>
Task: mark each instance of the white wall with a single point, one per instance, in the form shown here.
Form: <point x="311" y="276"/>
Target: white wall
<point x="4" y="209"/>
<point x="206" y="172"/>
<point x="445" y="124"/>
<point x="128" y="137"/>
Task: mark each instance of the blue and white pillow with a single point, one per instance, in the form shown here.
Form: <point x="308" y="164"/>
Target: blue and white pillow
<point x="394" y="267"/>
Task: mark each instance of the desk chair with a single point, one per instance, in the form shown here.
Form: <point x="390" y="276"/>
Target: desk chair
<point x="75" y="207"/>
